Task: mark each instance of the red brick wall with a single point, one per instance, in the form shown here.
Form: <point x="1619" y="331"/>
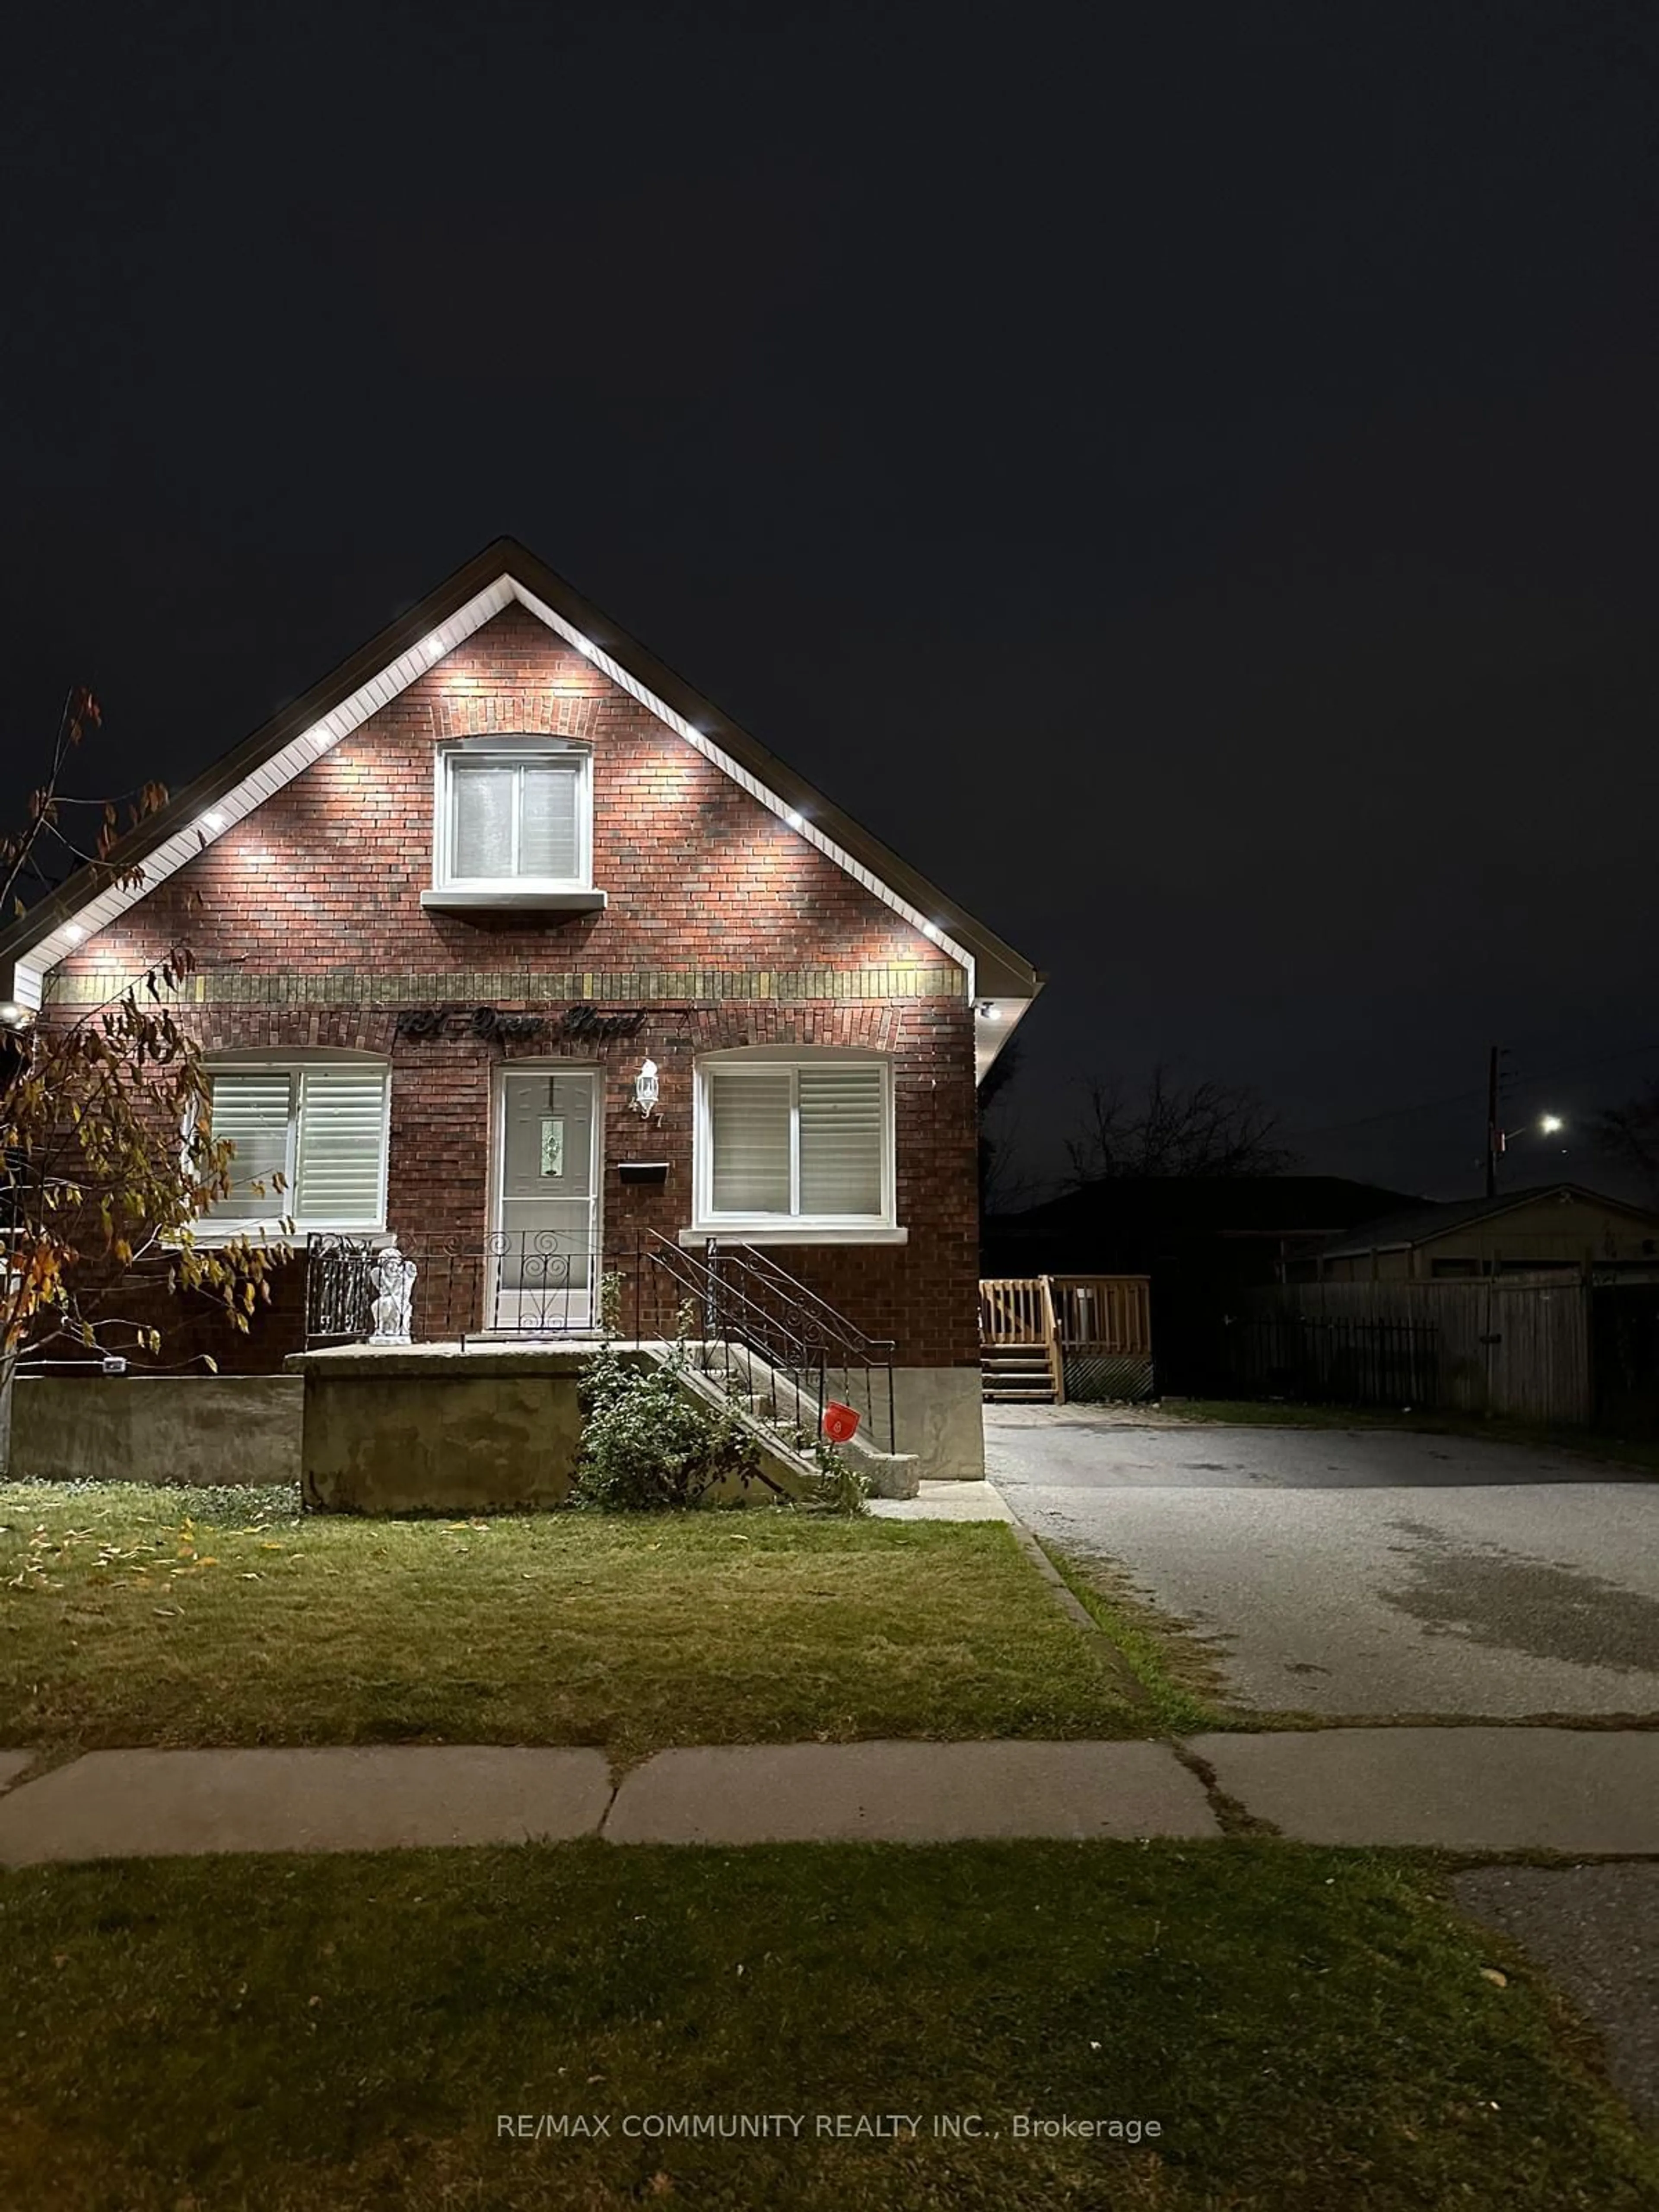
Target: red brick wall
<point x="329" y="871"/>
<point x="327" y="874"/>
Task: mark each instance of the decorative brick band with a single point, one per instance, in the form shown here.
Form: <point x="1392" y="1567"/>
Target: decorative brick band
<point x="371" y="986"/>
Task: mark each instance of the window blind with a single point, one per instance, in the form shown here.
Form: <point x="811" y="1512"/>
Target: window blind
<point x="547" y="822"/>
<point x="252" y="1110"/>
<point x="842" y="1122"/>
<point x="750" y="1109"/>
<point x="341" y="1143"/>
<point x="805" y="1142"/>
<point x="481" y="793"/>
<point x="511" y="819"/>
<point x="322" y="1128"/>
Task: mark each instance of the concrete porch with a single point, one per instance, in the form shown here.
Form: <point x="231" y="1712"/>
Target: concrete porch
<point x="491" y="1426"/>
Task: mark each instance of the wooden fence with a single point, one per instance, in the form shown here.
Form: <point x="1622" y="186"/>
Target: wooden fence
<point x="1515" y="1348"/>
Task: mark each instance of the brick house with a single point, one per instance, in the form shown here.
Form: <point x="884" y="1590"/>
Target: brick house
<point x="450" y="907"/>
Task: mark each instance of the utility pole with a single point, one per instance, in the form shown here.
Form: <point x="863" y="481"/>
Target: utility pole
<point x="1494" y="1133"/>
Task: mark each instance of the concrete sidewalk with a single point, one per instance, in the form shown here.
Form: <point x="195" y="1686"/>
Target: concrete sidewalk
<point x="1477" y="1789"/>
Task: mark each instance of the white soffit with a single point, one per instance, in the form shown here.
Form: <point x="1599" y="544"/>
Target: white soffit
<point x="380" y="690"/>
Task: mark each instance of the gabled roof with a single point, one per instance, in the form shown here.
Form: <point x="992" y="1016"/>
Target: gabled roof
<point x="1425" y="1225"/>
<point x="505" y="573"/>
<point x="1224" y="1206"/>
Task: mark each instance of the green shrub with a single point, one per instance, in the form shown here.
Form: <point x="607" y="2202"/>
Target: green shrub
<point x="647" y="1445"/>
<point x="839" y="1488"/>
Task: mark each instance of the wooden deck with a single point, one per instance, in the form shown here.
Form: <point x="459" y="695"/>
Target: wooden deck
<point x="1036" y="1329"/>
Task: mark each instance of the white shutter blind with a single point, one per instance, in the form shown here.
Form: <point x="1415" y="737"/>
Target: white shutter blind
<point x="547" y="821"/>
<point x="481" y="838"/>
<point x="749" y="1109"/>
<point x="341" y="1173"/>
<point x="843" y="1112"/>
<point x="250" y="1110"/>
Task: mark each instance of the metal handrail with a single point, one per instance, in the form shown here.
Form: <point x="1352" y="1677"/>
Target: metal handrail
<point x="770" y="1332"/>
<point x="762" y="1264"/>
<point x="838" y="1335"/>
<point x="799" y="1332"/>
<point x="729" y="1318"/>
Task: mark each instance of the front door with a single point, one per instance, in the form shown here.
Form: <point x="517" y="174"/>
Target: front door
<point x="546" y="1230"/>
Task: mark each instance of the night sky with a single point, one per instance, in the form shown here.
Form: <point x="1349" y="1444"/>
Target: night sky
<point x="1186" y="476"/>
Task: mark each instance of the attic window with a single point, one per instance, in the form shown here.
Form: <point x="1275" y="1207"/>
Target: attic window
<point x="514" y="826"/>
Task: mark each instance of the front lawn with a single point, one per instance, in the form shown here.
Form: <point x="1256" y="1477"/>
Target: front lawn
<point x="135" y="1615"/>
<point x="1309" y="2031"/>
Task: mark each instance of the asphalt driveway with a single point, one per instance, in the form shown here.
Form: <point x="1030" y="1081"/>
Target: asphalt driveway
<point x="1364" y="1570"/>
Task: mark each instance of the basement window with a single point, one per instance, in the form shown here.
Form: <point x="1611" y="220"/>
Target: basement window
<point x="797" y="1150"/>
<point x="514" y="826"/>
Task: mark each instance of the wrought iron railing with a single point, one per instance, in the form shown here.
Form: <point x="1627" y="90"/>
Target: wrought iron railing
<point x="762" y="1333"/>
<point x="847" y="1356"/>
<point x="511" y="1283"/>
<point x="339" y="1289"/>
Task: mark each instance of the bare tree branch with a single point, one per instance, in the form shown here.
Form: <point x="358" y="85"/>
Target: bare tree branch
<point x="1628" y="1136"/>
<point x="1203" y="1128"/>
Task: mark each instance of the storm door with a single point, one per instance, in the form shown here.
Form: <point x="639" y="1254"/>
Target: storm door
<point x="546" y="1227"/>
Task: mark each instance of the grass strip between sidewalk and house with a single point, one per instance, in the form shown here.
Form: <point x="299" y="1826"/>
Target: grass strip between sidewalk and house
<point x="133" y="1615"/>
<point x="1180" y="1682"/>
<point x="1308" y="2029"/>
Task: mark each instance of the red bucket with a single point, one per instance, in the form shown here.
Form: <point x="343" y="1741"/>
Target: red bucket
<point x="841" y="1423"/>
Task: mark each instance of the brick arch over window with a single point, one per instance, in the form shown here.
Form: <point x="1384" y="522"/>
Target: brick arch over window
<point x="529" y="709"/>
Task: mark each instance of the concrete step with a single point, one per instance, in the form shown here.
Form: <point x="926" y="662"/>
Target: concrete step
<point x="889" y="1474"/>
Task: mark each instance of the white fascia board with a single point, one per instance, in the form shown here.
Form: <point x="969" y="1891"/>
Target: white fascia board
<point x="270" y="777"/>
<point x="298" y="754"/>
<point x="923" y="924"/>
<point x="995" y="1022"/>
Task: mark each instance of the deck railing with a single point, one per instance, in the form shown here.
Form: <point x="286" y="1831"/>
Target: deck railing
<point x="1095" y="1331"/>
<point x="1015" y="1309"/>
<point x="1103" y="1313"/>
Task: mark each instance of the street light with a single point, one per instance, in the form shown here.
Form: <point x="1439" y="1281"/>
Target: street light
<point x="1546" y="1125"/>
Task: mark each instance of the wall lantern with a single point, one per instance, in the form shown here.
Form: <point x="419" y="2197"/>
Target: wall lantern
<point x="646" y="1086"/>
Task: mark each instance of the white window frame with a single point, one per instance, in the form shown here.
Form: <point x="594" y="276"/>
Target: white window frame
<point x="790" y="1228"/>
<point x="511" y="752"/>
<point x="282" y="1225"/>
